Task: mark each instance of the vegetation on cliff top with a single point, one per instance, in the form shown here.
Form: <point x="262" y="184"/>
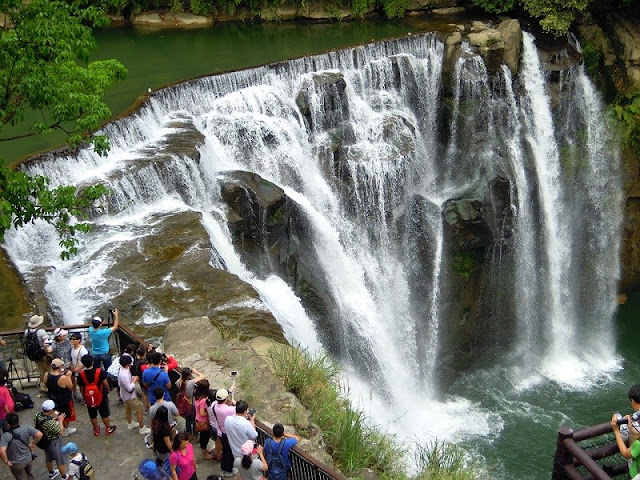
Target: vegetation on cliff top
<point x="44" y="48"/>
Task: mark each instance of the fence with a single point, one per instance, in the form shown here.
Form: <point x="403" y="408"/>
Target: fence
<point x="589" y="453"/>
<point x="23" y="370"/>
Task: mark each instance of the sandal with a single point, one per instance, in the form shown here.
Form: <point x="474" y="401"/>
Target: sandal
<point x="110" y="430"/>
<point x="96" y="431"/>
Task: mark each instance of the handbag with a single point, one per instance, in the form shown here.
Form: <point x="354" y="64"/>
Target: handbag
<point x="202" y="426"/>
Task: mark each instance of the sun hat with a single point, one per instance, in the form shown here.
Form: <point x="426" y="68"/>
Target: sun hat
<point x="96" y="322"/>
<point x="60" y="332"/>
<point x="70" y="448"/>
<point x="222" y="394"/>
<point x="247" y="447"/>
<point x="56" y="363"/>
<point x="35" y="320"/>
<point x="48" y="405"/>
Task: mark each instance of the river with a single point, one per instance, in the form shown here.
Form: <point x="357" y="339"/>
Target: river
<point x="509" y="424"/>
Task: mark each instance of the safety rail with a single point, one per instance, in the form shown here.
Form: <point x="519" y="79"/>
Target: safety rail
<point x="589" y="453"/>
<point x="304" y="466"/>
<point x="23" y="370"/>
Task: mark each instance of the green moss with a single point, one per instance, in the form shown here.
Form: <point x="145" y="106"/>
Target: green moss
<point x="465" y="263"/>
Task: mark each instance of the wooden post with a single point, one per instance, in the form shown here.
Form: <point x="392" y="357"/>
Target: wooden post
<point x="562" y="456"/>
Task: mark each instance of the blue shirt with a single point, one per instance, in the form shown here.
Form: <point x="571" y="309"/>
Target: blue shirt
<point x="273" y="449"/>
<point x="99" y="340"/>
<point x="161" y="380"/>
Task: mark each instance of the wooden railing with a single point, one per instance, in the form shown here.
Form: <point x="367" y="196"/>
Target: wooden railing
<point x="589" y="453"/>
<point x="21" y="369"/>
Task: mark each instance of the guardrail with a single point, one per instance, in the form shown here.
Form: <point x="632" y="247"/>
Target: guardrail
<point x="21" y="369"/>
<point x="589" y="453"/>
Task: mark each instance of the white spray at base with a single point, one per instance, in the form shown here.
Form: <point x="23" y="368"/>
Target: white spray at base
<point x="369" y="115"/>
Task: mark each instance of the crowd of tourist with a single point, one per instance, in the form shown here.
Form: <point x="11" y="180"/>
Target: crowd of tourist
<point x="150" y="385"/>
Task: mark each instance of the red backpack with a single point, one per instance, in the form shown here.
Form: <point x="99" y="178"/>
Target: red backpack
<point x="92" y="391"/>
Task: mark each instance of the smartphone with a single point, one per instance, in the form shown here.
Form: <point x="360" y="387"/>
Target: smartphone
<point x="234" y="373"/>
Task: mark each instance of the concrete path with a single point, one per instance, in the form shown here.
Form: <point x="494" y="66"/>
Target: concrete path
<point x="115" y="457"/>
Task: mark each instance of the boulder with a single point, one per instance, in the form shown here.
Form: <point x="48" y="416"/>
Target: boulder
<point x="511" y="34"/>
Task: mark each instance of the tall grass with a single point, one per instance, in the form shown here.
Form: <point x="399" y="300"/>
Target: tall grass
<point x="351" y="441"/>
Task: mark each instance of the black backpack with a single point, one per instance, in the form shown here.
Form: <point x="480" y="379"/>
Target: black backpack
<point x="32" y="347"/>
<point x="85" y="468"/>
<point x="21" y="400"/>
<point x="277" y="468"/>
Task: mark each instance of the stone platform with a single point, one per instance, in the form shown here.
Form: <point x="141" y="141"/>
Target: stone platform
<point x="115" y="457"/>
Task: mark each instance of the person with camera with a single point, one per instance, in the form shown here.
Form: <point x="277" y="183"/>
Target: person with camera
<point x="49" y="422"/>
<point x="78" y="350"/>
<point x="632" y="452"/>
<point x="240" y="427"/>
<point x="277" y="449"/>
<point x="16" y="450"/>
<point x="60" y="388"/>
<point x="224" y="408"/>
<point x="99" y="336"/>
<point x="129" y="396"/>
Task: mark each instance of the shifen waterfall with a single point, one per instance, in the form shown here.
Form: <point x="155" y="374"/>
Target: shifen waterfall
<point x="430" y="214"/>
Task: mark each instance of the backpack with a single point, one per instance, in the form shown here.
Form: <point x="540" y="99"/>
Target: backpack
<point x="166" y="467"/>
<point x="21" y="400"/>
<point x="85" y="468"/>
<point x="277" y="467"/>
<point x="182" y="401"/>
<point x="92" y="391"/>
<point x="32" y="347"/>
<point x="45" y="441"/>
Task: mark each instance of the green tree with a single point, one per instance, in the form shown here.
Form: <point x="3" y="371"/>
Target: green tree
<point x="44" y="68"/>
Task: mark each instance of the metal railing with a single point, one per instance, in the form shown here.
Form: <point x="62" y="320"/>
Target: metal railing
<point x="303" y="466"/>
<point x="25" y="371"/>
<point x="21" y="369"/>
<point x="589" y="453"/>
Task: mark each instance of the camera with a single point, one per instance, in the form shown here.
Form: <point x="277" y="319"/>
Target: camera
<point x="620" y="420"/>
<point x="111" y="315"/>
<point x="234" y="373"/>
<point x="252" y="412"/>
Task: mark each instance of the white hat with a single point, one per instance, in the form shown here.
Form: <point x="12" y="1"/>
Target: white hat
<point x="222" y="394"/>
<point x="48" y="405"/>
<point x="60" y="332"/>
<point x="35" y="321"/>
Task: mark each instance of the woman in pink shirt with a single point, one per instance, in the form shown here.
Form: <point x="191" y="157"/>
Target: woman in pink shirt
<point x="6" y="402"/>
<point x="202" y="426"/>
<point x="183" y="458"/>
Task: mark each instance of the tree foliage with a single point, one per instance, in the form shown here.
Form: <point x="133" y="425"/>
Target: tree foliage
<point x="44" y="68"/>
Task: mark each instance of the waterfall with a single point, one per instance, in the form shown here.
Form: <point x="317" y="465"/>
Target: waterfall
<point x="380" y="167"/>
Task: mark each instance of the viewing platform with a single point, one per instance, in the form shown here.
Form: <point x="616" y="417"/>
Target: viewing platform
<point x="117" y="456"/>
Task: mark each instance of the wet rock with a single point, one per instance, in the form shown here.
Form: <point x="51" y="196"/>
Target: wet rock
<point x="511" y="34"/>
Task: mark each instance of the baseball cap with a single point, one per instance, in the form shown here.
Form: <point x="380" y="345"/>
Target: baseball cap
<point x="222" y="394"/>
<point x="70" y="448"/>
<point x="97" y="321"/>
<point x="56" y="363"/>
<point x="48" y="405"/>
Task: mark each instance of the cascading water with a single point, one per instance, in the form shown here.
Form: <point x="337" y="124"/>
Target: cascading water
<point x="381" y="167"/>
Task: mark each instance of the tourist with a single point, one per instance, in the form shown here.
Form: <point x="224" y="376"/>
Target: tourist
<point x="129" y="396"/>
<point x="632" y="452"/>
<point x="188" y="379"/>
<point x="252" y="464"/>
<point x="61" y="346"/>
<point x="6" y="401"/>
<point x="224" y="407"/>
<point x="213" y="423"/>
<point x="95" y="389"/>
<point x="60" y="388"/>
<point x="37" y="346"/>
<point x="168" y="404"/>
<point x="279" y="446"/>
<point x="78" y="350"/>
<point x="161" y="434"/>
<point x="240" y="427"/>
<point x="155" y="376"/>
<point x="139" y="365"/>
<point x="49" y="422"/>
<point x="16" y="449"/>
<point x="3" y="364"/>
<point x="100" y="340"/>
<point x="184" y="458"/>
<point x="76" y="459"/>
<point x="202" y="416"/>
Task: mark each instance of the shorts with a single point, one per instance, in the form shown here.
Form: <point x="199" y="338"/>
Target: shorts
<point x="103" y="409"/>
<point x="68" y="409"/>
<point x="133" y="405"/>
<point x="53" y="453"/>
